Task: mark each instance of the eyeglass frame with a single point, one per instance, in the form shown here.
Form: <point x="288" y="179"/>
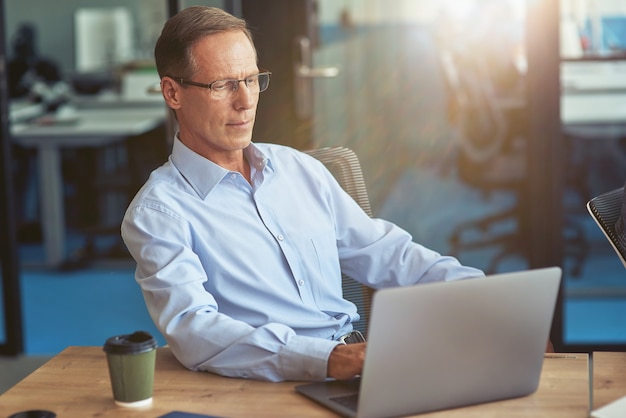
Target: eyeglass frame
<point x="209" y="86"/>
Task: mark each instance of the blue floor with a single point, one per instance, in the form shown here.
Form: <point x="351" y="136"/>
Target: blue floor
<point x="80" y="308"/>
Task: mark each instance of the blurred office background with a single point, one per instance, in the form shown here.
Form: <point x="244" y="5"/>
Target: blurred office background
<point x="483" y="127"/>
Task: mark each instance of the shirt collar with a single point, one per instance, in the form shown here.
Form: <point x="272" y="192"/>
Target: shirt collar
<point x="202" y="174"/>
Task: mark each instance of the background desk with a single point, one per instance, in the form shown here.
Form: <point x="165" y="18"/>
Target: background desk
<point x="94" y="127"/>
<point x="584" y="76"/>
<point x="75" y="383"/>
<point x="593" y="99"/>
<point x="594" y="115"/>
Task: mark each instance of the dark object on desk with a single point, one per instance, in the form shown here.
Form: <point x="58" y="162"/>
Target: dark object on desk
<point x="181" y="414"/>
<point x="20" y="81"/>
<point x="34" y="414"/>
<point x="91" y="83"/>
<point x="27" y="67"/>
<point x="606" y="210"/>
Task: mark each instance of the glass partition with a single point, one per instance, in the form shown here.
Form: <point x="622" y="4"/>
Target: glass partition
<point x="593" y="93"/>
<point x="431" y="96"/>
<point x="420" y="100"/>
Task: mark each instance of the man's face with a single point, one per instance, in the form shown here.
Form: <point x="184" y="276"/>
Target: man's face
<point x="210" y="126"/>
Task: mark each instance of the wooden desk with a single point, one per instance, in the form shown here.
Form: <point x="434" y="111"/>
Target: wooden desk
<point x="75" y="383"/>
<point x="94" y="127"/>
<point x="609" y="377"/>
<point x="563" y="392"/>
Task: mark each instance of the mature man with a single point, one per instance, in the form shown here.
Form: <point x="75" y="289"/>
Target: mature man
<point x="239" y="245"/>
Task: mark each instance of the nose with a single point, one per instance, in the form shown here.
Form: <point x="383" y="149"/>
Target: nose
<point x="244" y="97"/>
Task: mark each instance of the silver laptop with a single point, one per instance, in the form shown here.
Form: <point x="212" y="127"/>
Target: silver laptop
<point x="445" y="345"/>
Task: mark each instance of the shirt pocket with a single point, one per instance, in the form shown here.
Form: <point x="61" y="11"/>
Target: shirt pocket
<point x="323" y="268"/>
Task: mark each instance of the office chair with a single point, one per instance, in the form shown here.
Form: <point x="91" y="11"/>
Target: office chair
<point x="492" y="156"/>
<point x="605" y="209"/>
<point x="344" y="164"/>
<point x="119" y="176"/>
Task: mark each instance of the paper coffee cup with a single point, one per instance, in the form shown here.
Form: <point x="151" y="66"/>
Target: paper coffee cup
<point x="131" y="360"/>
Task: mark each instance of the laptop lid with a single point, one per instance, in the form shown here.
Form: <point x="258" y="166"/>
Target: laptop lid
<point x="444" y="345"/>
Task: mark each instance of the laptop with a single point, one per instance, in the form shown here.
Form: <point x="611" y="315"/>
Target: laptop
<point x="445" y="345"/>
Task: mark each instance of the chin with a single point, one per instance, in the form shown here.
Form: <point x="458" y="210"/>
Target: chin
<point x="242" y="143"/>
<point x="246" y="139"/>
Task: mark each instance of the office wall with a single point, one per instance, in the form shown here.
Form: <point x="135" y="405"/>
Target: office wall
<point x="54" y="21"/>
<point x="400" y="11"/>
<point x="375" y="11"/>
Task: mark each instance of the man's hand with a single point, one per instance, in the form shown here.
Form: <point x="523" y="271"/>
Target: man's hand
<point x="346" y="361"/>
<point x="549" y="347"/>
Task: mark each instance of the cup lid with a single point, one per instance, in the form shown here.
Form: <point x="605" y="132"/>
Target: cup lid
<point x="135" y="343"/>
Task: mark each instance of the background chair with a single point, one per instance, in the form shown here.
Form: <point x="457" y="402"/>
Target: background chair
<point x="344" y="164"/>
<point x="490" y="157"/>
<point x="119" y="172"/>
<point x="605" y="210"/>
<point x="493" y="157"/>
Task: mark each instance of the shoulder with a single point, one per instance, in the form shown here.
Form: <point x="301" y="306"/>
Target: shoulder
<point x="164" y="190"/>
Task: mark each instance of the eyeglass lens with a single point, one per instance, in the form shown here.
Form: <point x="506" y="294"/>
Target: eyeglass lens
<point x="256" y="83"/>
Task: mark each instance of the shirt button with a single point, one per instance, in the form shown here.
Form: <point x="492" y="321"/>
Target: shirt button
<point x="301" y="282"/>
<point x="233" y="176"/>
<point x="280" y="237"/>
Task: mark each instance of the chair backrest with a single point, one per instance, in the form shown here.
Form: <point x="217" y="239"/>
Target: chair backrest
<point x="344" y="164"/>
<point x="481" y="121"/>
<point x="605" y="210"/>
<point x="491" y="152"/>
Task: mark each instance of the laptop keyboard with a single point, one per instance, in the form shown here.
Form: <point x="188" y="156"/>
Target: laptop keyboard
<point x="348" y="401"/>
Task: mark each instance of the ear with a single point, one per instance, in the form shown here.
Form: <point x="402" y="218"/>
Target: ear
<point x="171" y="92"/>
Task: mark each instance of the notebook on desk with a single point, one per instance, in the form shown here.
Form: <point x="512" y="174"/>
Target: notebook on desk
<point x="445" y="345"/>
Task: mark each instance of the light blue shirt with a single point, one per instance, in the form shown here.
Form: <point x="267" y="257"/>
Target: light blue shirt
<point x="245" y="279"/>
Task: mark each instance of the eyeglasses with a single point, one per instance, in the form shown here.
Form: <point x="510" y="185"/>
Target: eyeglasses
<point x="222" y="89"/>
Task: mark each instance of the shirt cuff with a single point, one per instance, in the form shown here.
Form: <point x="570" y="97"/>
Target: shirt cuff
<point x="306" y="358"/>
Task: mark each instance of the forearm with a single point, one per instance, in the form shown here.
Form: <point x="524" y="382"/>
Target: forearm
<point x="204" y="339"/>
<point x="386" y="256"/>
<point x="228" y="347"/>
